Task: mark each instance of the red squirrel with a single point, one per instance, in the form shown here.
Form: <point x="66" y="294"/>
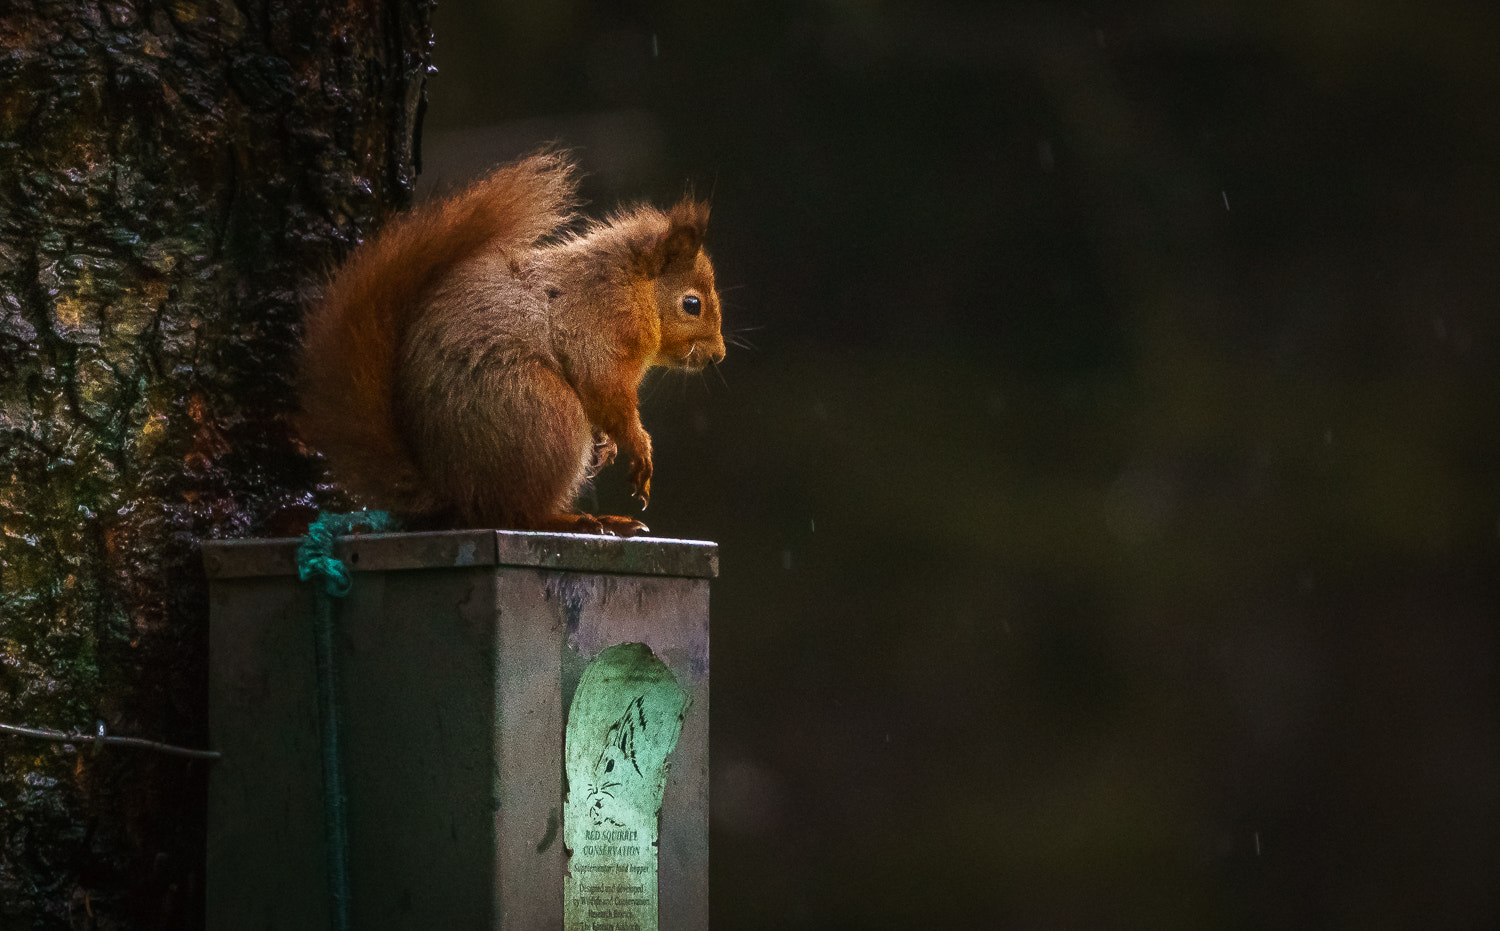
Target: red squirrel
<point x="474" y="363"/>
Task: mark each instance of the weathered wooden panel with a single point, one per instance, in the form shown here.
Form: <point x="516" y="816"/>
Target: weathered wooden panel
<point x="458" y="655"/>
<point x="266" y="856"/>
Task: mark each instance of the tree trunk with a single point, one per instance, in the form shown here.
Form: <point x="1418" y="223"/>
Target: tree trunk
<point x="175" y="180"/>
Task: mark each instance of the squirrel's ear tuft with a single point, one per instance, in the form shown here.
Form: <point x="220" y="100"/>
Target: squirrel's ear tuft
<point x="683" y="238"/>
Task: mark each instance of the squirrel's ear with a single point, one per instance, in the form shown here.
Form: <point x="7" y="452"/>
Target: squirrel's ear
<point x="683" y="238"/>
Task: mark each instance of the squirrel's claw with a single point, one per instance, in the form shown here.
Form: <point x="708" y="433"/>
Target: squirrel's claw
<point x="622" y="526"/>
<point x="641" y="478"/>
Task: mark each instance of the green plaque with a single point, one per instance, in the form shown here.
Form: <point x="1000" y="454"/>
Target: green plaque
<point x="624" y="722"/>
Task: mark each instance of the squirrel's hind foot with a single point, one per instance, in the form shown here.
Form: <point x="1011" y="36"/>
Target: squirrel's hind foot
<point x="605" y="524"/>
<point x="622" y="526"/>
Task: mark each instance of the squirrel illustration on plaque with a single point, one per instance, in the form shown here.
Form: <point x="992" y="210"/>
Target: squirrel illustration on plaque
<point x="476" y="362"/>
<point x="618" y="753"/>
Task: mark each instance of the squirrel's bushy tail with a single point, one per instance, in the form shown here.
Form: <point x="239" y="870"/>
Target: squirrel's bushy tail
<point x="348" y="365"/>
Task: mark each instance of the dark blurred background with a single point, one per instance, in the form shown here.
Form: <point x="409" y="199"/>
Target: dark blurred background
<point x="1109" y="506"/>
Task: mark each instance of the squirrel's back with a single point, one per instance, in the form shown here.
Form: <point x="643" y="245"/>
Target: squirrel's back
<point x="348" y="366"/>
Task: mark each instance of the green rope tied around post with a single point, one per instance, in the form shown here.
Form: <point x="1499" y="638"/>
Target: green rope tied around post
<point x="315" y="560"/>
<point x="315" y="555"/>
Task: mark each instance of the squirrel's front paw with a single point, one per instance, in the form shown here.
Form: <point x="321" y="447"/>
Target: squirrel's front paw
<point x="640" y="479"/>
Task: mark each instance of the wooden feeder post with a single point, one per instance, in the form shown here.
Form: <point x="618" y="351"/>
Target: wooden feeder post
<point x="512" y="706"/>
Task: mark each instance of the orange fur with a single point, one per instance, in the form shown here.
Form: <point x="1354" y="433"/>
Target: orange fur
<point x="462" y="370"/>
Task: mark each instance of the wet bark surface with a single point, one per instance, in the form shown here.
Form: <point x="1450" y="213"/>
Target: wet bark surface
<point x="175" y="181"/>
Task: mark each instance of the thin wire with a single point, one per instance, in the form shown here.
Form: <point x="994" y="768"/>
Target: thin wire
<point x="43" y="733"/>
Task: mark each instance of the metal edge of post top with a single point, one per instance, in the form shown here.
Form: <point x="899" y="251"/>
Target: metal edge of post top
<point x="579" y="552"/>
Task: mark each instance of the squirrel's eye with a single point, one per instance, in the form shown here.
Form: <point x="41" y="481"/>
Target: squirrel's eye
<point x="692" y="305"/>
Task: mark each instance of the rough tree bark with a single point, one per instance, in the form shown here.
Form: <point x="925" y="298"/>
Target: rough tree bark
<point x="175" y="178"/>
